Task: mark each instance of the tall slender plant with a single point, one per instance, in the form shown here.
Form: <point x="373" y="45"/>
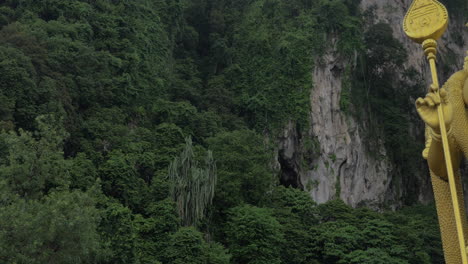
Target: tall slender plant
<point x="192" y="187"/>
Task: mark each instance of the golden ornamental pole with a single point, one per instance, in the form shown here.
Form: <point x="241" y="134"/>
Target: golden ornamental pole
<point x="425" y="22"/>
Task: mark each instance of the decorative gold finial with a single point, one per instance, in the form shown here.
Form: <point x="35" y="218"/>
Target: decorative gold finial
<point x="426" y="19"/>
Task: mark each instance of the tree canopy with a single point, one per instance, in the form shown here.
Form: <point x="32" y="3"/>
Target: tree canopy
<point x="97" y="99"/>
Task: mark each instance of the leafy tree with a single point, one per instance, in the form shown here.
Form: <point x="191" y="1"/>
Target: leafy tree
<point x="297" y="202"/>
<point x="120" y="180"/>
<point x="296" y="212"/>
<point x="253" y="235"/>
<point x="192" y="187"/>
<point x="33" y="167"/>
<point x="60" y="228"/>
<point x="242" y="162"/>
<point x="118" y="232"/>
<point x="154" y="231"/>
<point x="188" y="246"/>
<point x="334" y="240"/>
<point x="417" y="230"/>
<point x="53" y="224"/>
<point x="370" y="256"/>
<point x="336" y="210"/>
<point x="83" y="173"/>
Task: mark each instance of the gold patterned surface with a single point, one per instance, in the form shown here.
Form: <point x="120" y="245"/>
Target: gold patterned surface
<point x="426" y="19"/>
<point x="447" y="222"/>
<point x="459" y="147"/>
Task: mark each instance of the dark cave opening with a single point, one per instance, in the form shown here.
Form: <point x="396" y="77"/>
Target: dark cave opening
<point x="289" y="172"/>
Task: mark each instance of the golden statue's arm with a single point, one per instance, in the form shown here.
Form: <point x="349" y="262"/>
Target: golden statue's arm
<point x="435" y="158"/>
<point x="453" y="106"/>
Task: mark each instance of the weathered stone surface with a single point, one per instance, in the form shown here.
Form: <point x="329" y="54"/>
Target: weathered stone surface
<point x="343" y="166"/>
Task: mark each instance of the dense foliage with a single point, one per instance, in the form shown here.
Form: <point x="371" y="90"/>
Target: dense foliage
<point x="97" y="99"/>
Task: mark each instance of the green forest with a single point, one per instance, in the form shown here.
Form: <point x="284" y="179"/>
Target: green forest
<point x="142" y="131"/>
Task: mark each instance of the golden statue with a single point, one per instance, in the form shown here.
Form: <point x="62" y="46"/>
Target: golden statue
<point x="454" y="99"/>
<point x="446" y="116"/>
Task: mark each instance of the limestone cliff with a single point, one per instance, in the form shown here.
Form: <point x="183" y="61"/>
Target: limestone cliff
<point x="338" y="161"/>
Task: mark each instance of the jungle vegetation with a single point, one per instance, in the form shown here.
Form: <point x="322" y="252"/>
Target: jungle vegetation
<point x="133" y="131"/>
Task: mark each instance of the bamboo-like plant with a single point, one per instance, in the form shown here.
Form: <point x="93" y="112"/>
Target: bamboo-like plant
<point x="192" y="187"/>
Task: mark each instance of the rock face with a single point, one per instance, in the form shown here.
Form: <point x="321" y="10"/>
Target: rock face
<point x="344" y="167"/>
<point x="340" y="164"/>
